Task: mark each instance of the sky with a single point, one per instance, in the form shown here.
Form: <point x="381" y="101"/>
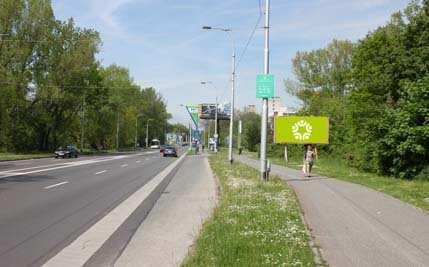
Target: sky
<point x="162" y="44"/>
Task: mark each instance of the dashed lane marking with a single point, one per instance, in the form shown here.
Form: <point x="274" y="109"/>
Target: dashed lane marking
<point x="55" y="185"/>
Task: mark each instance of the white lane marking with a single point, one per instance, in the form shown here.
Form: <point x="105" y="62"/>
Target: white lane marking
<point x="138" y="161"/>
<point x="103" y="171"/>
<point x="82" y="248"/>
<point x="29" y="168"/>
<point x="55" y="185"/>
<point x="124" y="165"/>
<point x="11" y="173"/>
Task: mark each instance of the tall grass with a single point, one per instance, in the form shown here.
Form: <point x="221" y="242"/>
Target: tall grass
<point x="255" y="224"/>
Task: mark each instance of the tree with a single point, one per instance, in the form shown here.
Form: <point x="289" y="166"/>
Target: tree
<point x="324" y="80"/>
<point x="251" y="130"/>
<point x="388" y="108"/>
<point x="54" y="92"/>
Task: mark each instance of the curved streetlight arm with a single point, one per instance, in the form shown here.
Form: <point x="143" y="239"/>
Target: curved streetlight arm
<point x="227" y="30"/>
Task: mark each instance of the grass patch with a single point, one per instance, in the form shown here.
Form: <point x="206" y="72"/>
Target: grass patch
<point x="255" y="223"/>
<point x="414" y="192"/>
<point x="13" y="156"/>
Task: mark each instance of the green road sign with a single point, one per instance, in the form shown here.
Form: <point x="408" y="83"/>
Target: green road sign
<point x="265" y="86"/>
<point x="301" y="130"/>
<point x="193" y="111"/>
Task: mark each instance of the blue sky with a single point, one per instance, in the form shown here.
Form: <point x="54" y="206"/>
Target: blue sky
<point x="162" y="44"/>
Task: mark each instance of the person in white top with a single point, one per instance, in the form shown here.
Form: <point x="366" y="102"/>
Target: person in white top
<point x="310" y="155"/>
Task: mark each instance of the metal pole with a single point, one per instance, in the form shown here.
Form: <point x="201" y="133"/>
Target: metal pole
<point x="147" y="134"/>
<point x="264" y="119"/>
<point x="216" y="135"/>
<point x="135" y="139"/>
<point x="231" y="122"/>
<point x="82" y="124"/>
<point x="117" y="131"/>
<point x="240" y="129"/>
<point x="190" y="135"/>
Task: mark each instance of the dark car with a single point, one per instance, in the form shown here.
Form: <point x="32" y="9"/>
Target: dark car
<point x="68" y="152"/>
<point x="169" y="151"/>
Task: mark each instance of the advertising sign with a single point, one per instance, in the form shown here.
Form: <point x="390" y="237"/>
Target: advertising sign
<point x="265" y="86"/>
<point x="301" y="130"/>
<point x="208" y="111"/>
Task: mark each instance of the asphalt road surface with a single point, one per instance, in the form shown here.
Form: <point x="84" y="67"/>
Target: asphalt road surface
<point x="47" y="203"/>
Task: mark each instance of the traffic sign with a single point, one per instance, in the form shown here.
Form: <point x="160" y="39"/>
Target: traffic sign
<point x="265" y="86"/>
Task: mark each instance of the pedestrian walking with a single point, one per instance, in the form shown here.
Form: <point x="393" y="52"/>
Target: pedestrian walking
<point x="310" y="155"/>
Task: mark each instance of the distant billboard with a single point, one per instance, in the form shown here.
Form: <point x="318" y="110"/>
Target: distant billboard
<point x="208" y="111"/>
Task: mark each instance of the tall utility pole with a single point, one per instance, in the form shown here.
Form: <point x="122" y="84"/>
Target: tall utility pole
<point x="190" y="135"/>
<point x="147" y="132"/>
<point x="82" y="129"/>
<point x="231" y="121"/>
<point x="216" y="111"/>
<point x="264" y="119"/>
<point x="117" y="131"/>
<point x="216" y="134"/>
<point x="136" y="133"/>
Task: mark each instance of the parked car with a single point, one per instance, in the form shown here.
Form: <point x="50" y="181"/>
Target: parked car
<point x="169" y="151"/>
<point x="69" y="152"/>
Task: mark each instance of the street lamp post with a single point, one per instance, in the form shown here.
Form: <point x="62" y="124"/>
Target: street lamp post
<point x="216" y="111"/>
<point x="147" y="132"/>
<point x="136" y="134"/>
<point x="231" y="122"/>
<point x="264" y="119"/>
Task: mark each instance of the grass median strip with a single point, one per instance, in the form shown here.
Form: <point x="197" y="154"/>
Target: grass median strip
<point x="12" y="156"/>
<point x="255" y="224"/>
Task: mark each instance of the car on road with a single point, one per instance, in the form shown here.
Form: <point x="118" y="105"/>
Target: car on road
<point x="169" y="151"/>
<point x="155" y="144"/>
<point x="69" y="152"/>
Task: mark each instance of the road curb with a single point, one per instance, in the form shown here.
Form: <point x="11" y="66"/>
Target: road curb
<point x="83" y="248"/>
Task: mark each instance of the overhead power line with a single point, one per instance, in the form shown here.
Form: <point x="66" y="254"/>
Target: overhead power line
<point x="252" y="34"/>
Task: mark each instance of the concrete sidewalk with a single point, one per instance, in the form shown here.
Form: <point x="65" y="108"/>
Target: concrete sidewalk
<point x="358" y="226"/>
<point x="164" y="237"/>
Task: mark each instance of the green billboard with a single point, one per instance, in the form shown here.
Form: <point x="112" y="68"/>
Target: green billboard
<point x="301" y="130"/>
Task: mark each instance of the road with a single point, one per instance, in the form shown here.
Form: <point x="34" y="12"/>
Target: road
<point x="47" y="203"/>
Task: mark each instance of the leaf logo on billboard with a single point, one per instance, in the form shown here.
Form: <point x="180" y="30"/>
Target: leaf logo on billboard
<point x="302" y="130"/>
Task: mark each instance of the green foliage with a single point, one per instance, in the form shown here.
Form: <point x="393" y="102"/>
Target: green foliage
<point x="377" y="98"/>
<point x="389" y="105"/>
<point x="251" y="130"/>
<point x="52" y="88"/>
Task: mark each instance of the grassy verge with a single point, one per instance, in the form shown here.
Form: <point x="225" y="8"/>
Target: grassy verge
<point x="12" y="156"/>
<point x="414" y="192"/>
<point x="255" y="223"/>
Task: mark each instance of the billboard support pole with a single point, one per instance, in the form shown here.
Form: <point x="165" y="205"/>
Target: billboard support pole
<point x="286" y="155"/>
